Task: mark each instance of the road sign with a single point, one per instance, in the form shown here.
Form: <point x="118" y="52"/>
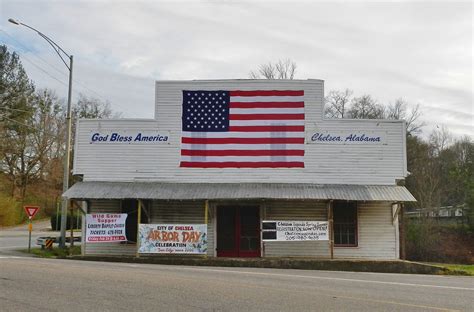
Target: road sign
<point x="31" y="211"/>
<point x="49" y="243"/>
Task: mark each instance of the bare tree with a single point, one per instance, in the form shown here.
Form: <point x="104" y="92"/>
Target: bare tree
<point x="29" y="145"/>
<point x="89" y="107"/>
<point x="440" y="139"/>
<point x="365" y="107"/>
<point x="282" y="69"/>
<point x="398" y="110"/>
<point x="337" y="103"/>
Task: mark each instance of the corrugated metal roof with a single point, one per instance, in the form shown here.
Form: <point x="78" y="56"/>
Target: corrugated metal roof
<point x="194" y="191"/>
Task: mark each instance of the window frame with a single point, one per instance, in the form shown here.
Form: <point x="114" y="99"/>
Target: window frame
<point x="356" y="223"/>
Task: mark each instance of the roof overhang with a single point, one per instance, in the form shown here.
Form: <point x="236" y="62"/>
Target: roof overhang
<point x="234" y="191"/>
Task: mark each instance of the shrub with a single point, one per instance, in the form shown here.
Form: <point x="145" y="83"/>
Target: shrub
<point x="11" y="212"/>
<point x="422" y="240"/>
<point x="56" y="220"/>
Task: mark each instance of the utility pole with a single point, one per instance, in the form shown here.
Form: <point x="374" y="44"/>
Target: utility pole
<point x="67" y="154"/>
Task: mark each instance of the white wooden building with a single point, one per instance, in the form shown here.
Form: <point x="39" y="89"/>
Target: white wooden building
<point x="275" y="158"/>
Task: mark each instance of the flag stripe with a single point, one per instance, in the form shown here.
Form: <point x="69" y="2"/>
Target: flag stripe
<point x="233" y="152"/>
<point x="250" y="99"/>
<point x="266" y="104"/>
<point x="242" y="158"/>
<point x="239" y="164"/>
<point x="272" y="123"/>
<point x="266" y="117"/>
<point x="241" y="134"/>
<point x="266" y="111"/>
<point x="267" y="93"/>
<point x="214" y="147"/>
<point x="267" y="128"/>
<point x="242" y="140"/>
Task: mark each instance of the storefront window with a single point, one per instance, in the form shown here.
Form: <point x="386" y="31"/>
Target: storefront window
<point x="345" y="224"/>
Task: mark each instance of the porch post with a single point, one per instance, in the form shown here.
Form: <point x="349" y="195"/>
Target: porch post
<point x="206" y="216"/>
<point x="402" y="231"/>
<point x="84" y="211"/>
<point x="139" y="217"/>
<point x="331" y="228"/>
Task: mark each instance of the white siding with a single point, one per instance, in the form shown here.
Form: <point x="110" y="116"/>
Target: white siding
<point x="296" y="211"/>
<point x="171" y="212"/>
<point x="377" y="234"/>
<point x="108" y="206"/>
<point x="114" y="161"/>
<point x="324" y="163"/>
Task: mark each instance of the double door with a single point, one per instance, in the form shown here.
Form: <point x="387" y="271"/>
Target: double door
<point x="238" y="232"/>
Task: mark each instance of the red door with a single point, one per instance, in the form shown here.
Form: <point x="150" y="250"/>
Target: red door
<point x="238" y="232"/>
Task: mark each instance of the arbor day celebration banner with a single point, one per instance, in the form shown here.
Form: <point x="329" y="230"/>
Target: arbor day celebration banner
<point x="173" y="238"/>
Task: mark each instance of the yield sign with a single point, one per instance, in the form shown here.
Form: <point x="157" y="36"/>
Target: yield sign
<point x="31" y="210"/>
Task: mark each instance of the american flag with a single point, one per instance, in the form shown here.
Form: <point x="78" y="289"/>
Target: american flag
<point x="243" y="129"/>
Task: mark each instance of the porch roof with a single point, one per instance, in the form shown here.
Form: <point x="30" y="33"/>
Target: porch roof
<point x="223" y="191"/>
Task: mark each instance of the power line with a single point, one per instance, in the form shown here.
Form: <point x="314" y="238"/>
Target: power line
<point x="15" y="109"/>
<point x="44" y="70"/>
<point x="38" y="67"/>
<point x="76" y="81"/>
<point x="51" y="65"/>
<point x="29" y="50"/>
<point x="23" y="124"/>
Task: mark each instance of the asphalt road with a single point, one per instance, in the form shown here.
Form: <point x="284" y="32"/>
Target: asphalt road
<point x="33" y="284"/>
<point x="15" y="238"/>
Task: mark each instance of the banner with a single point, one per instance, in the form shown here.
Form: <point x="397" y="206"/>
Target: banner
<point x="105" y="227"/>
<point x="173" y="238"/>
<point x="294" y="230"/>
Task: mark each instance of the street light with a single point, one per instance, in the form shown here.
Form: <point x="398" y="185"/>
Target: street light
<point x="61" y="53"/>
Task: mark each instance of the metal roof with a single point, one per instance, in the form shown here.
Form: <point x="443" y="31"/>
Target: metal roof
<point x="196" y="191"/>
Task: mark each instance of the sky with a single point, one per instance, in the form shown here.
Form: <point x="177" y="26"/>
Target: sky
<point x="420" y="51"/>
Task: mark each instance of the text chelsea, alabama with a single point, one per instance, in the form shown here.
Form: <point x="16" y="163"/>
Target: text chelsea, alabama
<point x="119" y="138"/>
<point x="326" y="137"/>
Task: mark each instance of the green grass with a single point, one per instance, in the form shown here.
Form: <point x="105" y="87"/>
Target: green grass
<point x="56" y="252"/>
<point x="465" y="269"/>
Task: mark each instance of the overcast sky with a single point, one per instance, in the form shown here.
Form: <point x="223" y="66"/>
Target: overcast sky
<point x="419" y="51"/>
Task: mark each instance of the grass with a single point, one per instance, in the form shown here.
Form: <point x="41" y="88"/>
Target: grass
<point x="465" y="269"/>
<point x="56" y="252"/>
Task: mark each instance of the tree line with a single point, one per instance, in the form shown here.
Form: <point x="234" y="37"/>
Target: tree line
<point x="440" y="165"/>
<point x="32" y="132"/>
<point x="32" y="136"/>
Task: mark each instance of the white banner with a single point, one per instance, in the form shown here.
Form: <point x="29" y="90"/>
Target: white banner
<point x="173" y="238"/>
<point x="294" y="230"/>
<point x="105" y="227"/>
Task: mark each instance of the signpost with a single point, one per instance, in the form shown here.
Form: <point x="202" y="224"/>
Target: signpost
<point x="31" y="211"/>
